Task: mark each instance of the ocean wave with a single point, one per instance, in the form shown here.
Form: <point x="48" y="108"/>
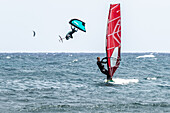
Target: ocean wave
<point x="75" y="60"/>
<point x="123" y="81"/>
<point x="154" y="104"/>
<point x="9" y="68"/>
<point x="37" y="83"/>
<point x="164" y="86"/>
<point x="146" y="56"/>
<point x="148" y="78"/>
<point x="52" y="63"/>
<point x="45" y="108"/>
<point x="8" y="57"/>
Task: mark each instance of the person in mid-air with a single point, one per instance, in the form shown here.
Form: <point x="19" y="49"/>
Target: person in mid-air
<point x="69" y="34"/>
<point x="101" y="67"/>
<point x="76" y="25"/>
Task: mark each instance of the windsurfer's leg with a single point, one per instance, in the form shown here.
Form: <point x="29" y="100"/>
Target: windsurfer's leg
<point x="104" y="71"/>
<point x="108" y="76"/>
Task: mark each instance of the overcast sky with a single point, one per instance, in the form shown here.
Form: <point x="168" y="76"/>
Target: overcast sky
<point x="145" y="25"/>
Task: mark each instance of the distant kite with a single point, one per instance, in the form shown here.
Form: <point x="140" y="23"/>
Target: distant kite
<point x="34" y="33"/>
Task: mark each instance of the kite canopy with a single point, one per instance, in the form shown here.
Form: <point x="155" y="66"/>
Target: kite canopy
<point x="78" y="24"/>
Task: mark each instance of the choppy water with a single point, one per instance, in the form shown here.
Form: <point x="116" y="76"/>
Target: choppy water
<point x="71" y="82"/>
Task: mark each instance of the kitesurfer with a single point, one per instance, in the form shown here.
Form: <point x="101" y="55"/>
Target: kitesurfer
<point x="76" y="25"/>
<point x="101" y="67"/>
<point x="69" y="34"/>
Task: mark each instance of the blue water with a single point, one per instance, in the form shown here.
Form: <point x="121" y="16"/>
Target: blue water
<point x="72" y="82"/>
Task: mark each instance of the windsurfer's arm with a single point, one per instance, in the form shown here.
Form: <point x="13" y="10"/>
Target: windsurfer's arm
<point x="102" y="61"/>
<point x="119" y="59"/>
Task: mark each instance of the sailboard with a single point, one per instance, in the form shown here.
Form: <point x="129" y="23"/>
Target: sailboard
<point x="113" y="38"/>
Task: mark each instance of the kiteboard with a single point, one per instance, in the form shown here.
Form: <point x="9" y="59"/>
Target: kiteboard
<point x="61" y="39"/>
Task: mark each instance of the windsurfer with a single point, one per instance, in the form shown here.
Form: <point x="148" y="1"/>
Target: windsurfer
<point x="101" y="67"/>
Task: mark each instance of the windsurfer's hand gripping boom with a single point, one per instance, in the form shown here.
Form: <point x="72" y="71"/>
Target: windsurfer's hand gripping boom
<point x="104" y="62"/>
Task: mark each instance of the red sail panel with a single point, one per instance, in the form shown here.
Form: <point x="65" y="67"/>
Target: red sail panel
<point x="113" y="38"/>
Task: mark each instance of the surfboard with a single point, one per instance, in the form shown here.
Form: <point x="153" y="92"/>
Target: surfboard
<point x="109" y="81"/>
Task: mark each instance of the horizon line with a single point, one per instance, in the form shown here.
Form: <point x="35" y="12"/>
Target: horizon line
<point x="81" y="52"/>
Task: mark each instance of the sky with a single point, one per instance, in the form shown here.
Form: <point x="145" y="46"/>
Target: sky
<point x="145" y="25"/>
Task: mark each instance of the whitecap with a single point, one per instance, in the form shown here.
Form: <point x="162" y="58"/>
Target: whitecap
<point x="123" y="81"/>
<point x="151" y="78"/>
<point x="75" y="60"/>
<point x="8" y="57"/>
<point x="146" y="56"/>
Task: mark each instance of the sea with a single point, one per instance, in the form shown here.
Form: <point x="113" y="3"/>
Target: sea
<point x="72" y="83"/>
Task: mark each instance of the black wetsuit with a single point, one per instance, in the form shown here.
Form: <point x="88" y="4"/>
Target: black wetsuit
<point x="69" y="34"/>
<point x="102" y="69"/>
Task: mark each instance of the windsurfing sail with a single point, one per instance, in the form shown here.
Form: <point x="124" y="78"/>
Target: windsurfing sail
<point x="78" y="24"/>
<point x="113" y="38"/>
